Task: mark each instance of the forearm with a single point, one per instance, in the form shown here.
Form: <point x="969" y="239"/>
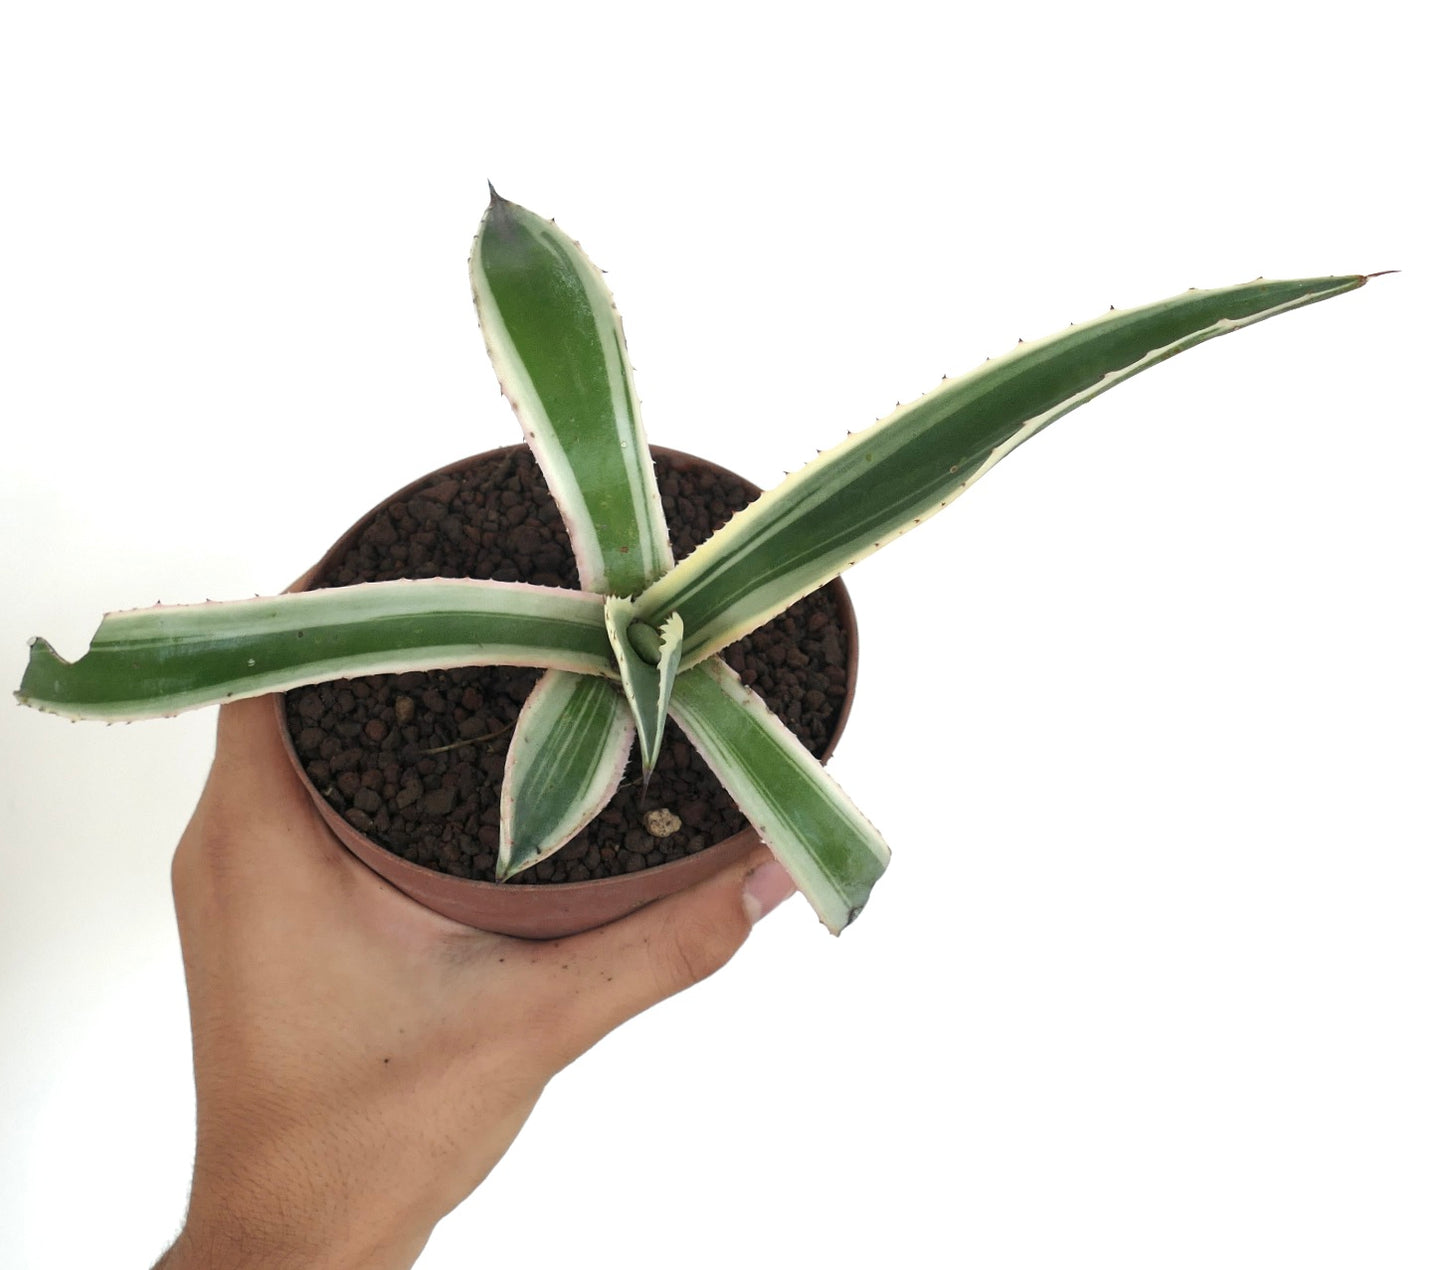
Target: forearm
<point x="250" y="1245"/>
<point x="273" y="1189"/>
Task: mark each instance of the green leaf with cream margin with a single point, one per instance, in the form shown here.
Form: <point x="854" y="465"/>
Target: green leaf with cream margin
<point x="883" y="481"/>
<point x="827" y="846"/>
<point x="647" y="683"/>
<point x="159" y="661"/>
<point x="567" y="755"/>
<point x="556" y="343"/>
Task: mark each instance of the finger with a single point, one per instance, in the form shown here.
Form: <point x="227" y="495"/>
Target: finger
<point x="251" y="758"/>
<point x="619" y="970"/>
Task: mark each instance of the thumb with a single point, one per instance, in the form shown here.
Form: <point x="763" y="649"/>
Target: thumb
<point x="669" y="945"/>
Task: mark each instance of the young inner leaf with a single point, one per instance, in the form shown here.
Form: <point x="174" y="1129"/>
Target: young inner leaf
<point x="646" y="680"/>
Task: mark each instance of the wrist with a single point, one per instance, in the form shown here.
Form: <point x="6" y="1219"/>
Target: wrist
<point x="233" y="1244"/>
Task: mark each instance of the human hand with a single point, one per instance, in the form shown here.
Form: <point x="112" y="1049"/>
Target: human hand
<point x="361" y="1062"/>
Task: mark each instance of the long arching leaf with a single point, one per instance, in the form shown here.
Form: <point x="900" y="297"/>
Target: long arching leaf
<point x="158" y="661"/>
<point x="881" y="482"/>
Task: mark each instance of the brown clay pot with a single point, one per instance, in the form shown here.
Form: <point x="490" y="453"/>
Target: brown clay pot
<point x="540" y="910"/>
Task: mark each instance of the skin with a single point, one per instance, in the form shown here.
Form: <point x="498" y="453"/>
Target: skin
<point x="362" y="1063"/>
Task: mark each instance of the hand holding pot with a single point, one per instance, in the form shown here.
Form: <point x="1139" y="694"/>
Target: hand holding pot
<point x="361" y="1062"/>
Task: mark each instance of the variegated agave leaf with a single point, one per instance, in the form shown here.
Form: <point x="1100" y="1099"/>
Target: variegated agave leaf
<point x="881" y="482"/>
<point x="826" y="844"/>
<point x="159" y="661"/>
<point x="567" y="756"/>
<point x="556" y="342"/>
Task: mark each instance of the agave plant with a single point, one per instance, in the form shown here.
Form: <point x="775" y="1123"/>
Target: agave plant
<point x="639" y="642"/>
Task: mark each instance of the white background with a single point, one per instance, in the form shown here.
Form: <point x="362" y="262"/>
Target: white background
<point x="1151" y="718"/>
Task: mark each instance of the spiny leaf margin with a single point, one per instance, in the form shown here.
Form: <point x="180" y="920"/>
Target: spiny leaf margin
<point x="556" y="342"/>
<point x="824" y="842"/>
<point x="145" y="663"/>
<point x="884" y="480"/>
<point x="647" y="687"/>
<point x="568" y="752"/>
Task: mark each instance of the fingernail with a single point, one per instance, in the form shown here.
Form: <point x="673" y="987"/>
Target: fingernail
<point x="764" y="889"/>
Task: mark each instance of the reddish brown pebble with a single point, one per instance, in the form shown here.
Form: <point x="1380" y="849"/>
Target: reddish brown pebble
<point x="438" y="802"/>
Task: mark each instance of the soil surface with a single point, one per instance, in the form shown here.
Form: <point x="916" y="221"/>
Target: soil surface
<point x="415" y="761"/>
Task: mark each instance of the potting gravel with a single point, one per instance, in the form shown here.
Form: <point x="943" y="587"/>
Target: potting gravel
<point x="415" y="761"/>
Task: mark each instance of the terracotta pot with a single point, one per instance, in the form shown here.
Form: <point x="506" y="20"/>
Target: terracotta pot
<point x="541" y="910"/>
